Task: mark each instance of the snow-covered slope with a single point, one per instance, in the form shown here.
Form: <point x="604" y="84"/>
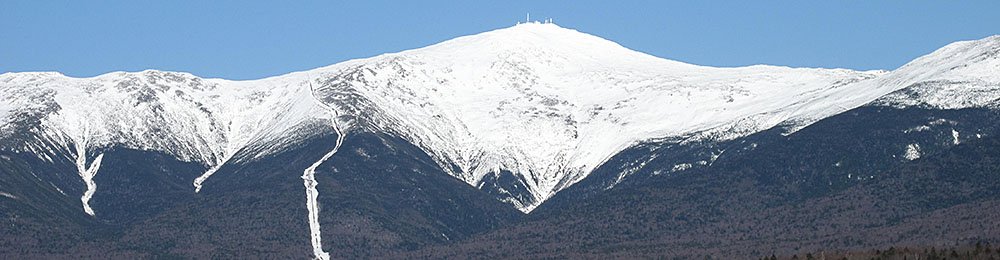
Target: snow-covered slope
<point x="521" y="112"/>
<point x="960" y="75"/>
<point x="549" y="104"/>
<point x="207" y="121"/>
<point x="202" y="120"/>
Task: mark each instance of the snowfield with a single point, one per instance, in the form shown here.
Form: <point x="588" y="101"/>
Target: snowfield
<point x="542" y="103"/>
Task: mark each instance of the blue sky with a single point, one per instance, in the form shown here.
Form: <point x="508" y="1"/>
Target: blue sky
<point x="249" y="39"/>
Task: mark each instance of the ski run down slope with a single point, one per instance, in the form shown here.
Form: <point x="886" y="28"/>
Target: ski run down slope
<point x="542" y="104"/>
<point x="309" y="180"/>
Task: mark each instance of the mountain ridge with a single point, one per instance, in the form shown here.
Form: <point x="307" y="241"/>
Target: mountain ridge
<point x="521" y="112"/>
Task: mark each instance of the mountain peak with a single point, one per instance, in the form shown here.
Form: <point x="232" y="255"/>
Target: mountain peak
<point x="536" y="39"/>
<point x="528" y="110"/>
<point x="522" y="111"/>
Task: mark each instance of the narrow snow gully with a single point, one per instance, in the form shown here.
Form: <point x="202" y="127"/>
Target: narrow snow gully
<point x="309" y="180"/>
<point x="87" y="173"/>
<point x="209" y="172"/>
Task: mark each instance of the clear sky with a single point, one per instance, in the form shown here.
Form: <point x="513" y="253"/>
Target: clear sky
<point x="250" y="39"/>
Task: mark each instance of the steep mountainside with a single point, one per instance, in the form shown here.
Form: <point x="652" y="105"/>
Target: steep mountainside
<point x="521" y="112"/>
<point x="526" y="111"/>
<point x="962" y="75"/>
<point x="379" y="194"/>
<point x="916" y="167"/>
<point x="405" y="154"/>
<point x="945" y="199"/>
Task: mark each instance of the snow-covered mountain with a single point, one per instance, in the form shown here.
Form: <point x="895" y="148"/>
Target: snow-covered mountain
<point x="961" y="75"/>
<point x="520" y="112"/>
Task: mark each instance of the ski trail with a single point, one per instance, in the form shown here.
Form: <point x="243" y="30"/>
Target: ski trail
<point x="88" y="177"/>
<point x="87" y="173"/>
<point x="204" y="176"/>
<point x="309" y="180"/>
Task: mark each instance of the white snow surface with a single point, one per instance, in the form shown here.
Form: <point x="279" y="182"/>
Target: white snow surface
<point x="195" y="119"/>
<point x="912" y="152"/>
<point x="309" y="181"/>
<point x="960" y="75"/>
<point x="548" y="104"/>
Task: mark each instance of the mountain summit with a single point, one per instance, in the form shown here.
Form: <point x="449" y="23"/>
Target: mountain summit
<point x="525" y="111"/>
<point x="417" y="148"/>
<point x="520" y="112"/>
